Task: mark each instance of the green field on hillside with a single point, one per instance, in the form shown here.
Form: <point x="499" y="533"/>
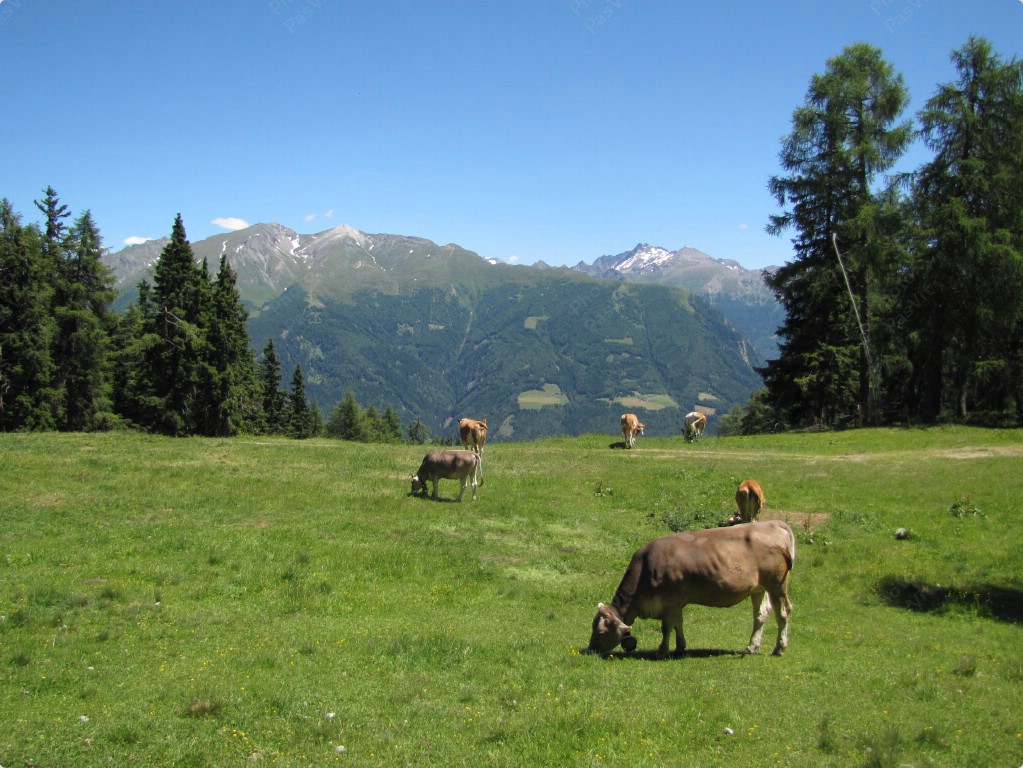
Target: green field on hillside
<point x="273" y="602"/>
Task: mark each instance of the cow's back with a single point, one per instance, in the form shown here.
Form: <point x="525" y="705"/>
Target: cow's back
<point x="717" y="567"/>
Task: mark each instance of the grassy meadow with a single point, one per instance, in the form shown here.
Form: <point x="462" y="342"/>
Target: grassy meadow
<point x="273" y="602"/>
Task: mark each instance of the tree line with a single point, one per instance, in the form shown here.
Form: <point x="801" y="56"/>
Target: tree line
<point x="904" y="299"/>
<point x="177" y="362"/>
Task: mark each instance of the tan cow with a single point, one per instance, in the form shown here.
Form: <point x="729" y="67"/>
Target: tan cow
<point x="474" y="432"/>
<point x="695" y="423"/>
<point x="719" y="567"/>
<point x="749" y="498"/>
<point x="449" y="465"/>
<point x="631" y="426"/>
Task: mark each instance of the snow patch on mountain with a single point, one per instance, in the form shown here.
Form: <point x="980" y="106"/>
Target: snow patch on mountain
<point x="645" y="258"/>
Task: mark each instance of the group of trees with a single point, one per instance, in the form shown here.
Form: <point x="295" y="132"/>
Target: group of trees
<point x="177" y="362"/>
<point x="904" y="298"/>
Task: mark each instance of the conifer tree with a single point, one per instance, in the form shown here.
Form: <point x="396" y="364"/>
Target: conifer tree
<point x="171" y="364"/>
<point x="348" y="421"/>
<point x="82" y="343"/>
<point x="229" y="365"/>
<point x="418" y="433"/>
<point x="843" y="137"/>
<point x="391" y="425"/>
<point x="968" y="343"/>
<point x="300" y="419"/>
<point x="272" y="397"/>
<point x="27" y="400"/>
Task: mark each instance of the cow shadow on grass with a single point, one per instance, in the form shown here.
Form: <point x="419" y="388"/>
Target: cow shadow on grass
<point x="619" y="446"/>
<point x="691" y="653"/>
<point x="987" y="600"/>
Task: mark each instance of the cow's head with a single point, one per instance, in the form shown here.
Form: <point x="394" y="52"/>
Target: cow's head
<point x="608" y="630"/>
<point x="640" y="426"/>
<point x="417" y="484"/>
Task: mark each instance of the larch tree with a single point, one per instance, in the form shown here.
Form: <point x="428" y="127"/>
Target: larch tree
<point x="843" y="138"/>
<point x="968" y="345"/>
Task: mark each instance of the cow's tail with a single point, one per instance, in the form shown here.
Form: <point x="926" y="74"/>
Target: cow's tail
<point x="478" y="471"/>
<point x="790" y="553"/>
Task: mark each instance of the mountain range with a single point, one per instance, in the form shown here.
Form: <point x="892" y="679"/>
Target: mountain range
<point x="439" y="332"/>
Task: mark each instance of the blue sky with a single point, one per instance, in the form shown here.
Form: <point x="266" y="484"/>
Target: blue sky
<point x="559" y="130"/>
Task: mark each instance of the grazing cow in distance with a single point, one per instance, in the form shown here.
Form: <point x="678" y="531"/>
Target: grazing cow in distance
<point x="695" y="423"/>
<point x="631" y="426"/>
<point x="474" y="432"/>
<point x="749" y="498"/>
<point x="719" y="567"/>
<point x="449" y="465"/>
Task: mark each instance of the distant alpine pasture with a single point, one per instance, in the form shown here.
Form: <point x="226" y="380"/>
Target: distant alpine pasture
<point x="440" y="333"/>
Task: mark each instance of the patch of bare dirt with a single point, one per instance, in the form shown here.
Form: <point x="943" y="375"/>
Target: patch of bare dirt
<point x="807" y="521"/>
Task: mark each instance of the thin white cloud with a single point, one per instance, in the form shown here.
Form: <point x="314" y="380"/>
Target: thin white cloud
<point x="744" y="226"/>
<point x="513" y="259"/>
<point x="329" y="214"/>
<point x="136" y="240"/>
<point x="230" y="222"/>
<point x="309" y="217"/>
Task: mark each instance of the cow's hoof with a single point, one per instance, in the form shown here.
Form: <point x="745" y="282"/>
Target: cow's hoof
<point x="752" y="649"/>
<point x="778" y="652"/>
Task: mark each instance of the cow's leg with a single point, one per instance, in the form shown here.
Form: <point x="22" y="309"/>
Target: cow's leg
<point x="783" y="614"/>
<point x="435" y="483"/>
<point x="462" y="489"/>
<point x="761" y="608"/>
<point x="671" y="619"/>
<point x="474" y="485"/>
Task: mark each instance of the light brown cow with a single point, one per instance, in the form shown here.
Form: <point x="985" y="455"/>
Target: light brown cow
<point x="449" y="465"/>
<point x="631" y="426"/>
<point x="719" y="567"/>
<point x="695" y="423"/>
<point x="474" y="432"/>
<point x="749" y="498"/>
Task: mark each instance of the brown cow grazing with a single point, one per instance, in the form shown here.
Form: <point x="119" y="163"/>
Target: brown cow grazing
<point x="631" y="426"/>
<point x="449" y="465"/>
<point x="719" y="567"/>
<point x="695" y="423"/>
<point x="749" y="498"/>
<point x="474" y="432"/>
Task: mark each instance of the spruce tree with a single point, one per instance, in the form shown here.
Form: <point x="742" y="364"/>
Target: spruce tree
<point x="229" y="368"/>
<point x="391" y="426"/>
<point x="273" y="419"/>
<point x="83" y="321"/>
<point x="27" y="399"/>
<point x="172" y="363"/>
<point x="300" y="418"/>
<point x="348" y="421"/>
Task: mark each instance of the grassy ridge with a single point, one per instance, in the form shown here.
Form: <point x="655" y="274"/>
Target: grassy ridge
<point x="211" y="603"/>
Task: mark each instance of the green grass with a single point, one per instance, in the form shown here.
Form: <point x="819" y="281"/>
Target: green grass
<point x="271" y="602"/>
